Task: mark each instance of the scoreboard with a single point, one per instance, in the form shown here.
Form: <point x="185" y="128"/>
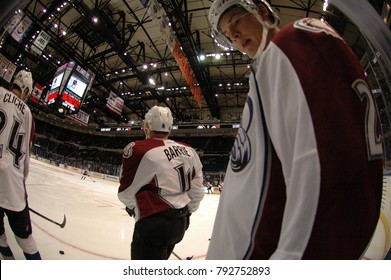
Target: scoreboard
<point x="69" y="88"/>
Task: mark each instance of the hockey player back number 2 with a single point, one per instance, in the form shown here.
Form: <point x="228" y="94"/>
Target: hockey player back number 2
<point x="374" y="144"/>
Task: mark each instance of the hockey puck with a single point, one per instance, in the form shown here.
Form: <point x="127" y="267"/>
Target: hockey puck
<point x="61" y="252"/>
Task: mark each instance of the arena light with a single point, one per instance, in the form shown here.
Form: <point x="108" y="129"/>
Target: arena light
<point x="152" y="81"/>
<point x="201" y="56"/>
<point x="325" y="5"/>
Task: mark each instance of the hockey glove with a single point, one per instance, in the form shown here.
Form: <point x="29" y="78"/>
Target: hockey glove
<point x="130" y="211"/>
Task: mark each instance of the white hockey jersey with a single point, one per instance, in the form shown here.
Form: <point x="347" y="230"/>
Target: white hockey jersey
<point x="305" y="174"/>
<point x="158" y="175"/>
<point x="16" y="135"/>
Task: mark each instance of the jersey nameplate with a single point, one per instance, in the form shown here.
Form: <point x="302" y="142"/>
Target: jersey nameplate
<point x="12" y="98"/>
<point x="174" y="151"/>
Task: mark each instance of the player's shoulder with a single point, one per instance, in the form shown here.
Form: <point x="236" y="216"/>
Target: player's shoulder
<point x="310" y="26"/>
<point x="142" y="146"/>
<point x="7" y="96"/>
<point x="316" y="26"/>
<point x="3" y="90"/>
<point x="185" y="145"/>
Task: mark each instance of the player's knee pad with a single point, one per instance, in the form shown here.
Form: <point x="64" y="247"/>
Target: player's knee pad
<point x="28" y="245"/>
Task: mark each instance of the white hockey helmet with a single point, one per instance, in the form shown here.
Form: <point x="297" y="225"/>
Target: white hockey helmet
<point x="23" y="79"/>
<point x="219" y="7"/>
<point x="158" y="119"/>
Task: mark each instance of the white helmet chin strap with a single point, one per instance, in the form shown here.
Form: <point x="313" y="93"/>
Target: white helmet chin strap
<point x="262" y="45"/>
<point x="146" y="132"/>
<point x="265" y="31"/>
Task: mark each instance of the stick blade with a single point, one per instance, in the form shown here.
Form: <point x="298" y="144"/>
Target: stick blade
<point x="62" y="225"/>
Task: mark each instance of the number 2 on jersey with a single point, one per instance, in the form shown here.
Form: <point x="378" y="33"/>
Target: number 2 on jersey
<point x="374" y="144"/>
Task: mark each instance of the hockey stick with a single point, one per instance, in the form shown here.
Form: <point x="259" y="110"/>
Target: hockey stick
<point x="179" y="258"/>
<point x="90" y="178"/>
<point x="50" y="220"/>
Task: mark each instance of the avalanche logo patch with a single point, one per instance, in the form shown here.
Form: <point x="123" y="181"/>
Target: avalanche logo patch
<point x="241" y="150"/>
<point x="128" y="151"/>
<point x="316" y="26"/>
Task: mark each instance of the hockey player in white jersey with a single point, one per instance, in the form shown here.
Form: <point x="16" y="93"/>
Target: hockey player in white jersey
<point x="85" y="174"/>
<point x="304" y="179"/>
<point x="160" y="185"/>
<point x="16" y="135"/>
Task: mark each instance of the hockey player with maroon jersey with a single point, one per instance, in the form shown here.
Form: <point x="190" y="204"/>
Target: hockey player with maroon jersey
<point x="160" y="185"/>
<point x="16" y="136"/>
<point x="304" y="179"/>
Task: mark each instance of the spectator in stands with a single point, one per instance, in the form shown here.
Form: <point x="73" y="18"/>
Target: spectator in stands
<point x="305" y="175"/>
<point x="16" y="135"/>
<point x="160" y="185"/>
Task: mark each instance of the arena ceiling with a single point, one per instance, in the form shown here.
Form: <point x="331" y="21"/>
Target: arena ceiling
<point x="122" y="43"/>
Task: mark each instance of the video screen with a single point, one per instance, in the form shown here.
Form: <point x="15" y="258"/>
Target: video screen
<point x="76" y="86"/>
<point x="57" y="81"/>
